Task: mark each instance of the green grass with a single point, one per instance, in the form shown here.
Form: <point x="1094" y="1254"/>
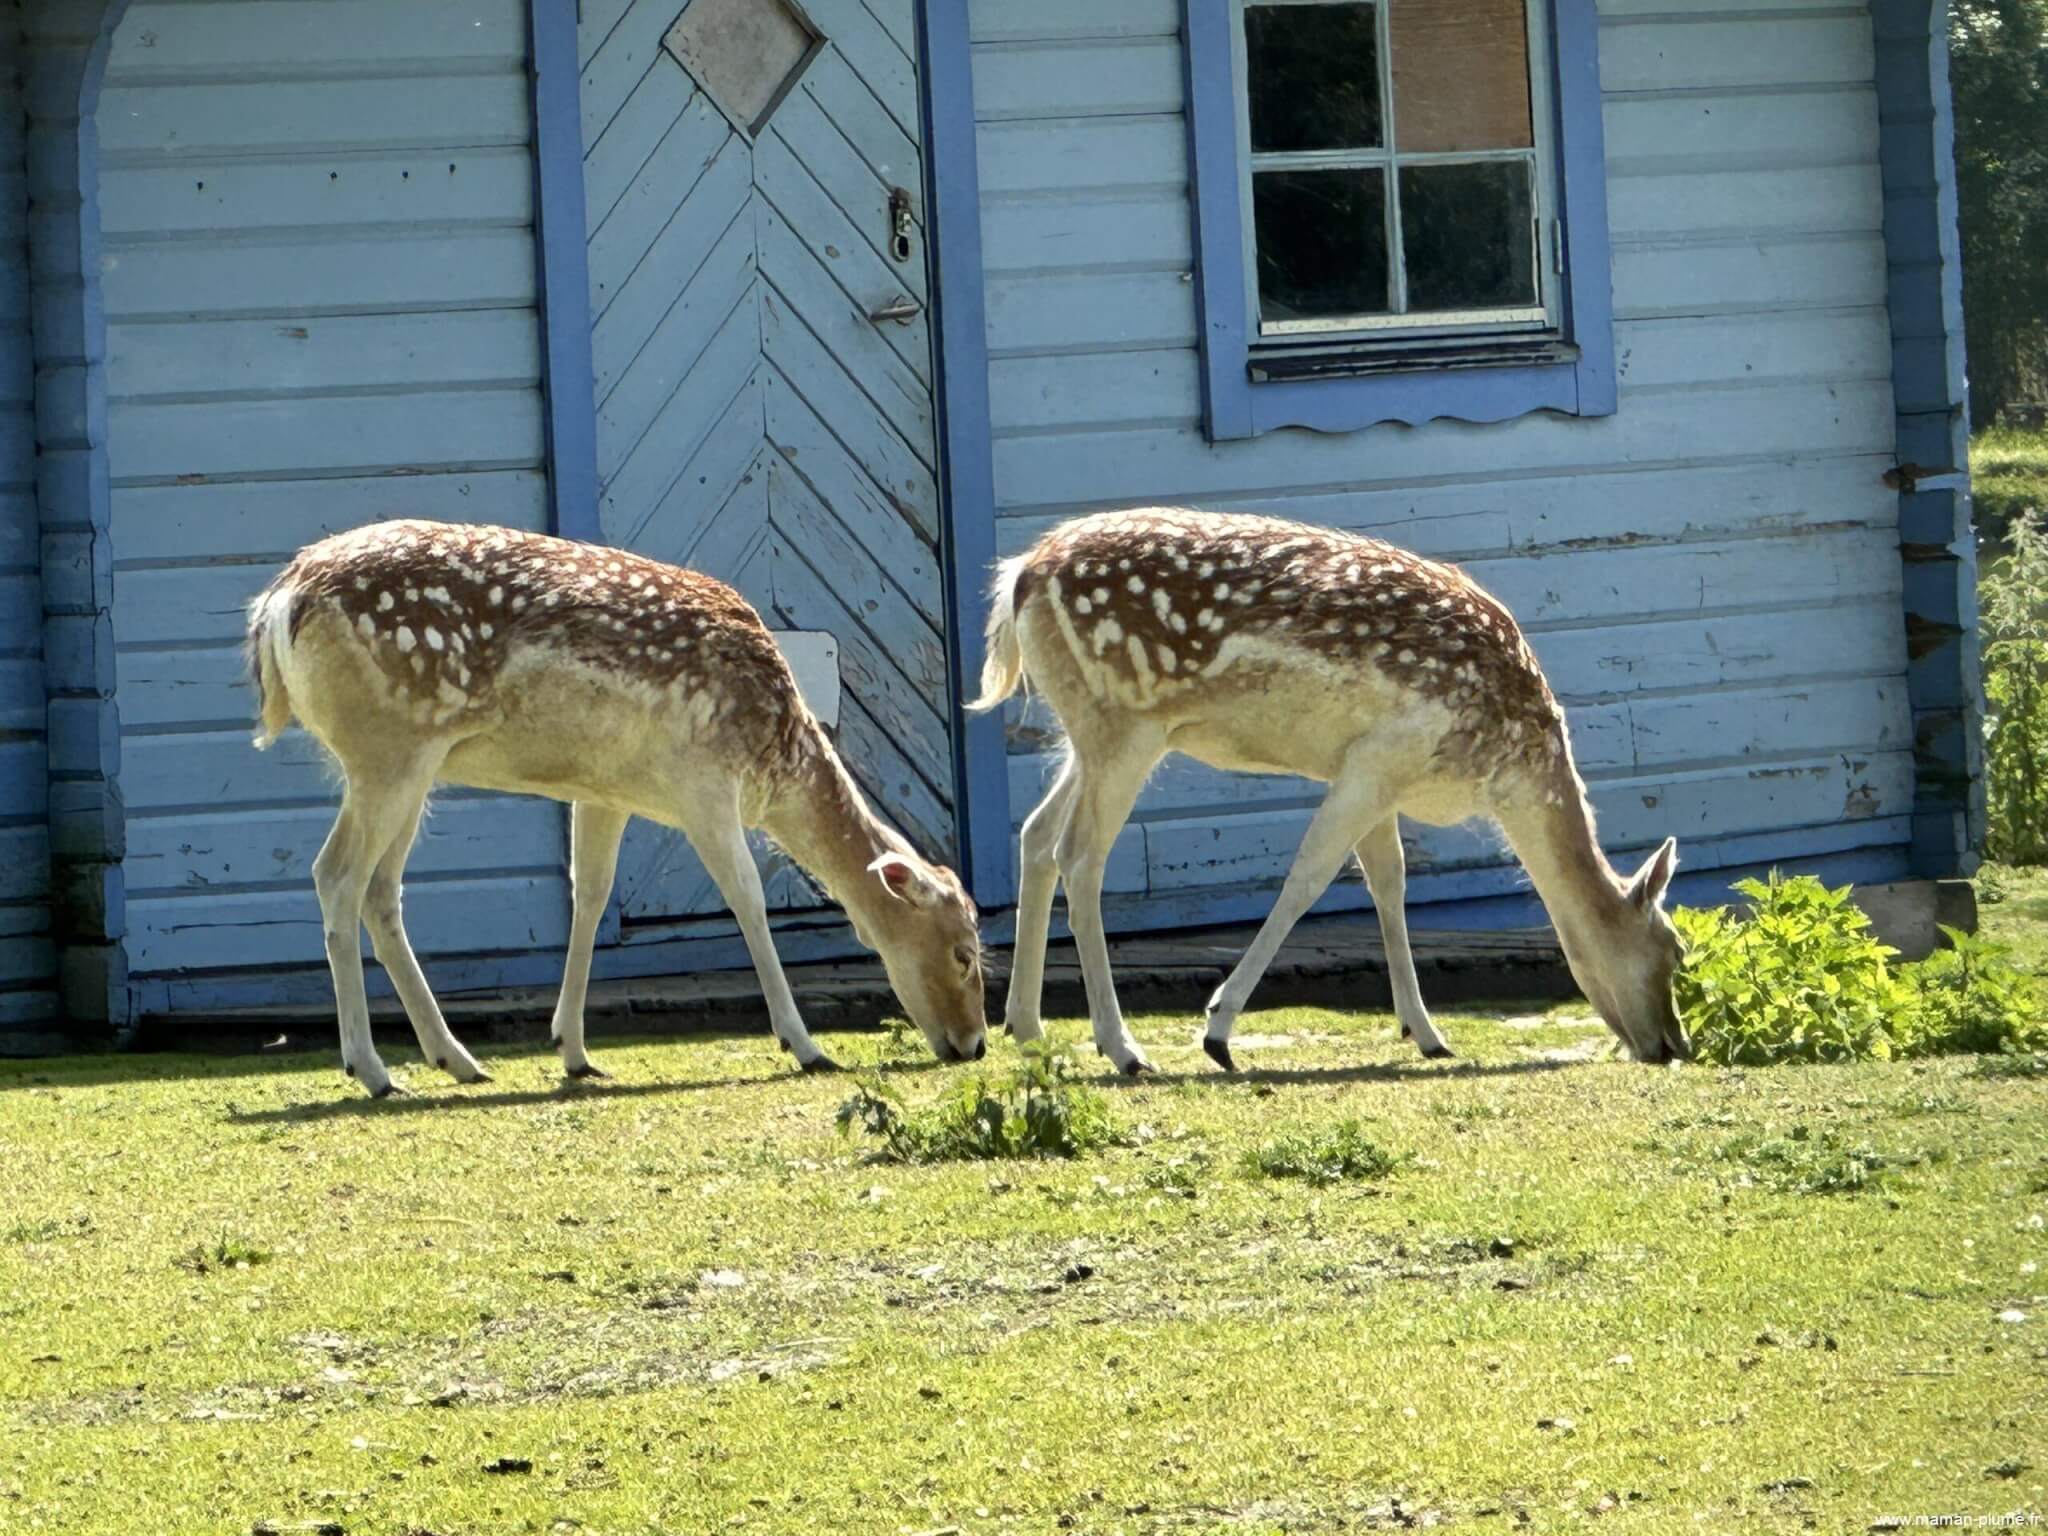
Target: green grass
<point x="233" y="1293"/>
<point x="2012" y="908"/>
<point x="2008" y="475"/>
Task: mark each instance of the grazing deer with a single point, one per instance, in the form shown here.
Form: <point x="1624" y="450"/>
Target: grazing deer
<point x="421" y="653"/>
<point x="1269" y="647"/>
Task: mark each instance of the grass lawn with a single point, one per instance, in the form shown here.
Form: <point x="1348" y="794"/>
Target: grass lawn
<point x="234" y="1295"/>
<point x="2008" y="475"/>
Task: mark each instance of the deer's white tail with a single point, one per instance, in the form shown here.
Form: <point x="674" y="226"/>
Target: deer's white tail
<point x="270" y="632"/>
<point x="1003" y="669"/>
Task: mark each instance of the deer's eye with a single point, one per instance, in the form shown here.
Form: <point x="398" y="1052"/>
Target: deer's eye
<point x="966" y="957"/>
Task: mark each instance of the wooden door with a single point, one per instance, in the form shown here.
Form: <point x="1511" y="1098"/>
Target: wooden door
<point x="763" y="363"/>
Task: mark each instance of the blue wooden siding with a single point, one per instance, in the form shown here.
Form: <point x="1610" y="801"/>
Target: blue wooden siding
<point x="752" y="420"/>
<point x="318" y="271"/>
<point x="1711" y="575"/>
<point x="28" y="1002"/>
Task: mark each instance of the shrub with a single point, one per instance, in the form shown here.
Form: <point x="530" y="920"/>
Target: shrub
<point x="1038" y="1110"/>
<point x="1800" y="979"/>
<point x="2013" y="614"/>
<point x="1325" y="1155"/>
<point x="1971" y="998"/>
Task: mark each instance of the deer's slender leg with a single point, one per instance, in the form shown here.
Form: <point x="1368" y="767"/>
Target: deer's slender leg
<point x="1038" y="873"/>
<point x="1386" y="876"/>
<point x="383" y="915"/>
<point x="1105" y="790"/>
<point x="594" y="833"/>
<point x="721" y="842"/>
<point x="375" y="809"/>
<point x="1357" y="800"/>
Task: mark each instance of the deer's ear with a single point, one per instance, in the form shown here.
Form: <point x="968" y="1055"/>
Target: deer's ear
<point x="1647" y="889"/>
<point x="902" y="878"/>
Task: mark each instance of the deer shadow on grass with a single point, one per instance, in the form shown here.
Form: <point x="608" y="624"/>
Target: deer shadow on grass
<point x="353" y="1104"/>
<point x="1416" y="1072"/>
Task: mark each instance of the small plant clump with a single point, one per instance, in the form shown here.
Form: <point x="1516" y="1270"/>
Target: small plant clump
<point x="1323" y="1155"/>
<point x="1801" y="978"/>
<point x="1037" y="1110"/>
<point x="1801" y="1163"/>
<point x="221" y="1255"/>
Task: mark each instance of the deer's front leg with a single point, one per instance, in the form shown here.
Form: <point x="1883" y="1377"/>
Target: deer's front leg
<point x="594" y="833"/>
<point x="722" y="845"/>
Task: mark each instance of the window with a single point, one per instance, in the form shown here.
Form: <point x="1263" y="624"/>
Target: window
<point x="1400" y="210"/>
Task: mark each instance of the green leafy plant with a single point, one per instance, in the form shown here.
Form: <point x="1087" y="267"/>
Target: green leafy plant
<point x="1323" y="1155"/>
<point x="1037" y="1110"/>
<point x="1800" y="978"/>
<point x="1971" y="998"/>
<point x="221" y="1255"/>
<point x="2012" y="599"/>
<point x="1801" y="1163"/>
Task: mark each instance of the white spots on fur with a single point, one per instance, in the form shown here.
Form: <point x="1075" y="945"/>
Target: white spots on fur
<point x="386" y="602"/>
<point x="412" y="594"/>
<point x="1107" y="633"/>
<point x="433" y="638"/>
<point x="1162" y="603"/>
<point x="484" y="631"/>
<point x="1206" y="619"/>
<point x="1206" y="569"/>
<point x="1083" y="606"/>
<point x="365" y="626"/>
<point x="1406" y="658"/>
<point x="519" y="603"/>
<point x="1177" y="622"/>
<point x="1351" y="574"/>
<point x="1222" y="591"/>
<point x="1136" y="585"/>
<point x="1168" y="662"/>
<point x="496" y="597"/>
<point x="1100" y="594"/>
<point x="405" y="640"/>
<point x="438" y="594"/>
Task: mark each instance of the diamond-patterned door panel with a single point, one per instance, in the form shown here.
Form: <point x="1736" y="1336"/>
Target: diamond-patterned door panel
<point x="754" y="421"/>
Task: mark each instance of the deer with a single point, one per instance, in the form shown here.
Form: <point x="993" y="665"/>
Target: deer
<point x="420" y="653"/>
<point x="1265" y="646"/>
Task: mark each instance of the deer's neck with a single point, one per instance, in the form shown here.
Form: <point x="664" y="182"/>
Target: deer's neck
<point x="822" y="820"/>
<point x="1554" y="836"/>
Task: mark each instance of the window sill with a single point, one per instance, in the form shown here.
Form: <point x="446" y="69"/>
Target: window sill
<point x="1279" y="366"/>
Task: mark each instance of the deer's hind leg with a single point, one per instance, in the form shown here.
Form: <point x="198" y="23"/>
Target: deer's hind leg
<point x="594" y="833"/>
<point x="1107" y="778"/>
<point x="1359" y="799"/>
<point x="1386" y="876"/>
<point x="383" y="916"/>
<point x="1038" y="873"/>
<point x="380" y="805"/>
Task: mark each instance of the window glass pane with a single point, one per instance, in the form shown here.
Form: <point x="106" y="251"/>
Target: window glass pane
<point x="1322" y="243"/>
<point x="1467" y="235"/>
<point x="1461" y="75"/>
<point x="1315" y="76"/>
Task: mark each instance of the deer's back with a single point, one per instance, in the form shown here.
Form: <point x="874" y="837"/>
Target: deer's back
<point x="1270" y="639"/>
<point x="534" y="651"/>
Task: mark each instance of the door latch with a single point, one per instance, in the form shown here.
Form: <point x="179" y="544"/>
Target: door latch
<point x="900" y="245"/>
<point x="902" y="309"/>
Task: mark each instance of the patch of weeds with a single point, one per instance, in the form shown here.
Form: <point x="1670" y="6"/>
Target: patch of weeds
<point x="221" y="1255"/>
<point x="2033" y="1064"/>
<point x="1323" y="1155"/>
<point x="1037" y="1110"/>
<point x="47" y="1229"/>
<point x="1800" y="978"/>
<point x="1465" y="1114"/>
<point x="1914" y="1108"/>
<point x="1181" y="1175"/>
<point x="1802" y="1163"/>
<point x="1970" y="997"/>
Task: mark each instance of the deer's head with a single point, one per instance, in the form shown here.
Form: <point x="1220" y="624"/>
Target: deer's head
<point x="1626" y="964"/>
<point x="924" y="928"/>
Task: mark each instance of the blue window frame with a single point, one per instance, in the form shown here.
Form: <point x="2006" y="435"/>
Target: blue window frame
<point x="1555" y="354"/>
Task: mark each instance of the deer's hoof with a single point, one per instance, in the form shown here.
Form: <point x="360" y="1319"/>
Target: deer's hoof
<point x="588" y="1069"/>
<point x="1218" y="1051"/>
<point x="1439" y="1052"/>
<point x="821" y="1064"/>
<point x="1138" y="1066"/>
<point x="388" y="1091"/>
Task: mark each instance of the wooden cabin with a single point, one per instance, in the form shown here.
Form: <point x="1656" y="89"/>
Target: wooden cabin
<point x="1647" y="311"/>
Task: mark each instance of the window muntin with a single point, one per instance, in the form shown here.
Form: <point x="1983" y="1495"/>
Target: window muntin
<point x="1397" y="169"/>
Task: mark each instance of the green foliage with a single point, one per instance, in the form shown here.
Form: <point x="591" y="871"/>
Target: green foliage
<point x="1971" y="998"/>
<point x="221" y="1255"/>
<point x="1323" y="1155"/>
<point x="2008" y="478"/>
<point x="1801" y="1163"/>
<point x="2013" y="618"/>
<point x="1998" y="70"/>
<point x="1800" y="979"/>
<point x="1038" y="1110"/>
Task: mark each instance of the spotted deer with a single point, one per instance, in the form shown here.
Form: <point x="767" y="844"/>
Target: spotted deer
<point x="420" y="653"/>
<point x="1270" y="647"/>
